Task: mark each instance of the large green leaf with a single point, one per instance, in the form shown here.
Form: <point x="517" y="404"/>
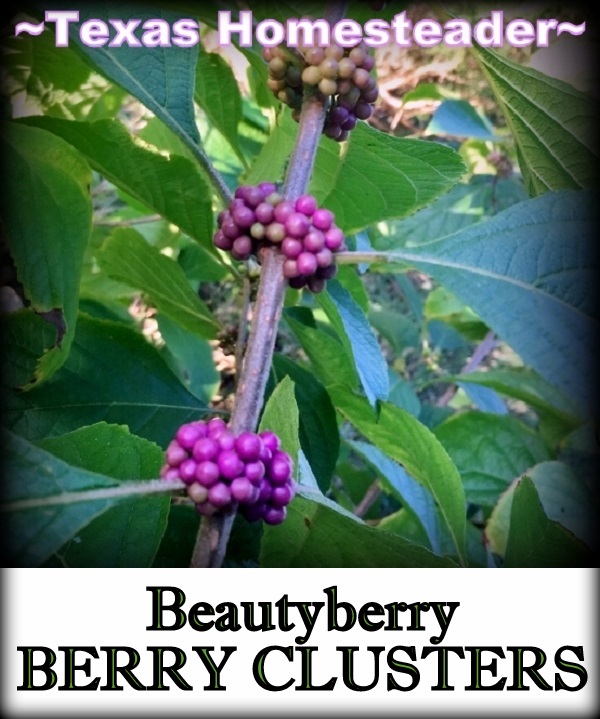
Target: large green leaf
<point x="405" y="439"/>
<point x="112" y="374"/>
<point x="171" y="186"/>
<point x="127" y="534"/>
<point x="162" y="78"/>
<point x="565" y="499"/>
<point x="47" y="213"/>
<point x="553" y="124"/>
<point x="218" y="94"/>
<point x="376" y="177"/>
<point x="319" y="435"/>
<point x="529" y="273"/>
<point x="358" y="339"/>
<point x="127" y="257"/>
<point x="489" y="451"/>
<point x="536" y="541"/>
<point x="317" y="533"/>
<point x="46" y="501"/>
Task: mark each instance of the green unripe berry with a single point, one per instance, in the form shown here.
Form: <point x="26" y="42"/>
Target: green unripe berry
<point x="277" y="68"/>
<point x="329" y="68"/>
<point x="311" y="75"/>
<point x="328" y="86"/>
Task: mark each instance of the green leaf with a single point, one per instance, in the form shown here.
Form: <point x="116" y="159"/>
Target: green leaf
<point x="534" y="258"/>
<point x="489" y="451"/>
<point x="280" y="415"/>
<point x="405" y="439"/>
<point x="171" y="186"/>
<point x="161" y="78"/>
<point x="460" y="119"/>
<point x="564" y="497"/>
<point x="316" y="533"/>
<point x="348" y="179"/>
<point x="127" y="257"/>
<point x="358" y="339"/>
<point x="412" y="495"/>
<point x="327" y="354"/>
<point x="553" y="124"/>
<point x="128" y="533"/>
<point x="47" y="214"/>
<point x="350" y="183"/>
<point x="319" y="436"/>
<point x="218" y="94"/>
<point x="536" y="541"/>
<point x="114" y="375"/>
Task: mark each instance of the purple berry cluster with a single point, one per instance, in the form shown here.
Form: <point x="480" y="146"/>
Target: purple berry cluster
<point x="221" y="470"/>
<point x="342" y="74"/>
<point x="308" y="236"/>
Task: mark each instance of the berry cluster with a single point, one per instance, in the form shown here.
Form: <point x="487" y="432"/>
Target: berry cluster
<point x="343" y="74"/>
<point x="221" y="470"/>
<point x="260" y="217"/>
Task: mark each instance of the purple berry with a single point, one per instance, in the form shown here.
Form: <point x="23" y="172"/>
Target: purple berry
<point x="175" y="454"/>
<point x="216" y="424"/>
<point x="187" y="471"/>
<point x="368" y="63"/>
<point x="225" y="439"/>
<point x="270" y="440"/>
<point x="274" y="515"/>
<point x="267" y="188"/>
<point x="324" y="257"/>
<point x="284" y="210"/>
<point x="243" y="217"/>
<point x="240" y="192"/>
<point x="314" y="241"/>
<point x="297" y="224"/>
<point x="264" y="213"/>
<point x="264" y="490"/>
<point x="363" y="110"/>
<point x="316" y="284"/>
<point x="322" y="219"/>
<point x="333" y="132"/>
<point x="207" y="473"/>
<point x="338" y="116"/>
<point x="248" y="446"/>
<point x="254" y="196"/>
<point x="255" y="471"/>
<point x="169" y="473"/>
<point x="292" y="247"/>
<point x="222" y="242"/>
<point x="230" y="465"/>
<point x="297" y="283"/>
<point x="281" y="495"/>
<point x="230" y="229"/>
<point x="370" y="95"/>
<point x="219" y="494"/>
<point x="188" y="434"/>
<point x="279" y="471"/>
<point x="307" y="263"/>
<point x="205" y="449"/>
<point x="306" y="204"/>
<point x="350" y="123"/>
<point x="326" y="273"/>
<point x="242" y="490"/>
<point x="334" y="239"/>
<point x="242" y="248"/>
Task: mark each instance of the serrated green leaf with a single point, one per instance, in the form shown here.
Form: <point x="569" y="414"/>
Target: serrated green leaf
<point x="553" y="124"/>
<point x="47" y="214"/>
<point x="112" y="374"/>
<point x="536" y="541"/>
<point x="358" y="339"/>
<point x="405" y="439"/>
<point x="318" y="533"/>
<point x="348" y="180"/>
<point x="535" y="258"/>
<point x="218" y="94"/>
<point x="127" y="257"/>
<point x="280" y="415"/>
<point x="128" y="533"/>
<point x="489" y="451"/>
<point x="171" y="186"/>
<point x="162" y="78"/>
<point x="319" y="435"/>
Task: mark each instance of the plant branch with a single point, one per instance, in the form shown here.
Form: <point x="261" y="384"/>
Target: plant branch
<point x="213" y="174"/>
<point x="211" y="543"/>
